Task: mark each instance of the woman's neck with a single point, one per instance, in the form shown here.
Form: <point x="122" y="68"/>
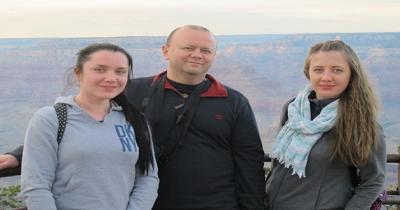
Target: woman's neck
<point x="97" y="109"/>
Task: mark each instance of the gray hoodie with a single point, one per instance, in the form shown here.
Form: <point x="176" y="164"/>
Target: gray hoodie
<point x="93" y="168"/>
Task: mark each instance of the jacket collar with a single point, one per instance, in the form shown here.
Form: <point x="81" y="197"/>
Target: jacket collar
<point x="216" y="89"/>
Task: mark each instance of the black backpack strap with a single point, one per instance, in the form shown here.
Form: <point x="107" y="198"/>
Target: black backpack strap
<point x="177" y="135"/>
<point x="61" y="111"/>
<point x="355" y="178"/>
<point x="158" y="84"/>
<point x="284" y="116"/>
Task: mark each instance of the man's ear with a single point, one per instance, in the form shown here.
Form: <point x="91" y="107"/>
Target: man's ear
<point x="77" y="74"/>
<point x="165" y="51"/>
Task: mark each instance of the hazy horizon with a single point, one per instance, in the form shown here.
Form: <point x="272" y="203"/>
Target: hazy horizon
<point x="217" y="35"/>
<point x="122" y="18"/>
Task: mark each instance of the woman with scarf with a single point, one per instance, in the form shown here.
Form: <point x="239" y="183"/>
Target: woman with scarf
<point x="330" y="151"/>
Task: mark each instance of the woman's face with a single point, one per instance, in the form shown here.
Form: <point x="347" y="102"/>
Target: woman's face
<point x="104" y="75"/>
<point x="329" y="73"/>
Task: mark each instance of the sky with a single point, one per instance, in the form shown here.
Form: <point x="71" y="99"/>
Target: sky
<point x="110" y="18"/>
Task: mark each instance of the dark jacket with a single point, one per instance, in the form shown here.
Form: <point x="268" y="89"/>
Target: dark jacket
<point x="219" y="165"/>
<point x="328" y="184"/>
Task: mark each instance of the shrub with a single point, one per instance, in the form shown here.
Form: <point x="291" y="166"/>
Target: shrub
<point x="9" y="197"/>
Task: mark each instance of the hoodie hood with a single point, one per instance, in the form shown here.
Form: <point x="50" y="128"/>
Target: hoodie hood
<point x="70" y="101"/>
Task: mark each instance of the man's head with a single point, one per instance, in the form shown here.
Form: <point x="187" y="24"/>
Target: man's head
<point x="190" y="51"/>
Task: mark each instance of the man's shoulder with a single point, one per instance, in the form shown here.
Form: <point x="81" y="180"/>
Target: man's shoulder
<point x="137" y="89"/>
<point x="234" y="93"/>
<point x="137" y="84"/>
<point x="144" y="80"/>
<point x="221" y="90"/>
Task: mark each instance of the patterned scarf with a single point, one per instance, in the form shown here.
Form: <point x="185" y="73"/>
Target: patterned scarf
<point x="296" y="138"/>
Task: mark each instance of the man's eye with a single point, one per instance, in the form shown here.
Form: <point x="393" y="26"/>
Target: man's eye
<point x="99" y="69"/>
<point x="206" y="51"/>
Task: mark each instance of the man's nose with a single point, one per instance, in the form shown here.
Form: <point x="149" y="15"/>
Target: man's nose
<point x="196" y="53"/>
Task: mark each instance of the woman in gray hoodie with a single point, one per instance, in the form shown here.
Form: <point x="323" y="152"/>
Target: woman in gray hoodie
<point x="105" y="158"/>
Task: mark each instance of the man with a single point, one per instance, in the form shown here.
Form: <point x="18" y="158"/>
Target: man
<point x="206" y="139"/>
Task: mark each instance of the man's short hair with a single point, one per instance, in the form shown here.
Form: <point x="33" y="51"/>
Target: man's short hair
<point x="194" y="27"/>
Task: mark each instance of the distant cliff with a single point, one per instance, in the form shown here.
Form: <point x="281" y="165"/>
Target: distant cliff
<point x="266" y="68"/>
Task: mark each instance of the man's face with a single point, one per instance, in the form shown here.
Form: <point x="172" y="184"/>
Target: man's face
<point x="190" y="54"/>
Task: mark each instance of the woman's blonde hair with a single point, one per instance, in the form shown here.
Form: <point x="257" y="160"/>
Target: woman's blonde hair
<point x="356" y="124"/>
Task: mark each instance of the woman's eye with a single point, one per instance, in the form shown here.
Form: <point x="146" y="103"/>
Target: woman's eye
<point x="121" y="72"/>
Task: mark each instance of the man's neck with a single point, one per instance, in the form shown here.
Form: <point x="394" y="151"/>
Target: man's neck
<point x="182" y="88"/>
<point x="185" y="79"/>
